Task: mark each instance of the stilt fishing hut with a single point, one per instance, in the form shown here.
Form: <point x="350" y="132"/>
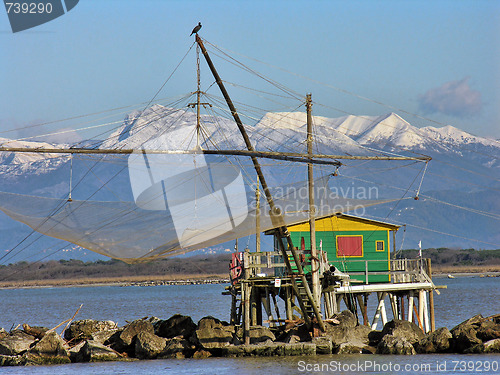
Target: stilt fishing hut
<point x="355" y="262"/>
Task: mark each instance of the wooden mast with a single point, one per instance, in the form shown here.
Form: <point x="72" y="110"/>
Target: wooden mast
<point x="312" y="208"/>
<point x="275" y="213"/>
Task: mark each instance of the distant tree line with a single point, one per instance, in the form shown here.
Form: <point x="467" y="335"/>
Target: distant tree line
<point x="202" y="265"/>
<point x="77" y="269"/>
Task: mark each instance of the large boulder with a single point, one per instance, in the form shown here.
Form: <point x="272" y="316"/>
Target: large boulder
<point x="81" y="330"/>
<point x="51" y="344"/>
<point x="122" y="340"/>
<point x="323" y="345"/>
<point x="213" y="333"/>
<point x="395" y="345"/>
<point x="178" y="348"/>
<point x="349" y="339"/>
<point x="404" y="329"/>
<point x="15" y="343"/>
<point x="257" y="335"/>
<point x="435" y="342"/>
<point x="93" y="351"/>
<point x="148" y="345"/>
<point x="346" y="319"/>
<point x="216" y="337"/>
<point x="488" y="330"/>
<point x="177" y="325"/>
<point x="492" y="346"/>
<point x="464" y="335"/>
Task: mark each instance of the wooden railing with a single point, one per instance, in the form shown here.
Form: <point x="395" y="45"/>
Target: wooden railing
<point x="258" y="263"/>
<point x="400" y="270"/>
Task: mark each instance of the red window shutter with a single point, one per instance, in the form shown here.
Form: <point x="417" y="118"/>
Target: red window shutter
<point x="350" y="246"/>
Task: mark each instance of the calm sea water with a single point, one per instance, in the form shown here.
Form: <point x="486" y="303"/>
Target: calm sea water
<point x="465" y="297"/>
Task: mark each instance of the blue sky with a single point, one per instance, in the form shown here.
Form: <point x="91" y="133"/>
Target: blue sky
<point x="439" y="59"/>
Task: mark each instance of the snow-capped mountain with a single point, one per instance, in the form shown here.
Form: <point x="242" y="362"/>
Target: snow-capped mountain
<point x="464" y="172"/>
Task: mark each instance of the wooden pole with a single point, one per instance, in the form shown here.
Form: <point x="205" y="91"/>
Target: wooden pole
<point x="426" y="313"/>
<point x="410" y="306"/>
<point x="290" y="156"/>
<point x="421" y="307"/>
<point x="275" y="212"/>
<point x="257" y="217"/>
<point x="380" y="311"/>
<point x="431" y="297"/>
<point x="312" y="208"/>
<point x="418" y="317"/>
<point x="245" y="295"/>
<point x="288" y="303"/>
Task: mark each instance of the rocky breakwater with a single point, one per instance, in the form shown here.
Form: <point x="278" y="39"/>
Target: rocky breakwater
<point x="180" y="337"/>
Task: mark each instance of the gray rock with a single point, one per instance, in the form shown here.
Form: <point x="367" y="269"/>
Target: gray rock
<point x="122" y="340"/>
<point x="148" y="345"/>
<point x="3" y="333"/>
<point x="404" y="329"/>
<point x="177" y="325"/>
<point x="177" y="348"/>
<point x="31" y="359"/>
<point x="475" y="320"/>
<point x="216" y="337"/>
<point x="464" y="337"/>
<point x="103" y="336"/>
<point x="15" y="343"/>
<point x="210" y="322"/>
<point x="395" y="345"/>
<point x="201" y="354"/>
<point x="435" y="342"/>
<point x="488" y="330"/>
<point x="492" y="346"/>
<point x="323" y="345"/>
<point x="355" y="337"/>
<point x="81" y="330"/>
<point x="375" y="337"/>
<point x="295" y="334"/>
<point x="74" y="352"/>
<point x="257" y="335"/>
<point x="93" y="351"/>
<point x="346" y="319"/>
<point x="11" y="360"/>
<point x="51" y="344"/>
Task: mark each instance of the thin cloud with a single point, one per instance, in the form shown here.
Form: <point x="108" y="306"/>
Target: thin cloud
<point x="454" y="98"/>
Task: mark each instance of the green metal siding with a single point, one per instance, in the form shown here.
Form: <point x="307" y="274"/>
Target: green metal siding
<point x="378" y="261"/>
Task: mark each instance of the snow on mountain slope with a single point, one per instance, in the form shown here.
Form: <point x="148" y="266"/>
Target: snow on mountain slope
<point x="450" y="134"/>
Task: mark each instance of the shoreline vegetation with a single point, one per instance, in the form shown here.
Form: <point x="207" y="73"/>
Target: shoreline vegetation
<point x="204" y="269"/>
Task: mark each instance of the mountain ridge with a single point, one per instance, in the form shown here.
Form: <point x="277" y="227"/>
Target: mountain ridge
<point x="463" y="165"/>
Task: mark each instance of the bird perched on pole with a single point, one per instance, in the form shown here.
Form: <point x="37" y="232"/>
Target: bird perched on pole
<point x="196" y="29"/>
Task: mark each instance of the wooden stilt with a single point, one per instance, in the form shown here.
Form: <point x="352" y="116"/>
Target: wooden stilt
<point x="362" y="309"/>
<point x="421" y="307"/>
<point x="365" y="309"/>
<point x="402" y="307"/>
<point x="267" y="307"/>
<point x="234" y="301"/>
<point x="410" y="307"/>
<point x="431" y="298"/>
<point x="328" y="306"/>
<point x="418" y="317"/>
<point x="338" y="299"/>
<point x="426" y="313"/>
<point x="288" y="303"/>
<point x="393" y="306"/>
<point x="378" y="311"/>
<point x="245" y="295"/>
<point x="276" y="308"/>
